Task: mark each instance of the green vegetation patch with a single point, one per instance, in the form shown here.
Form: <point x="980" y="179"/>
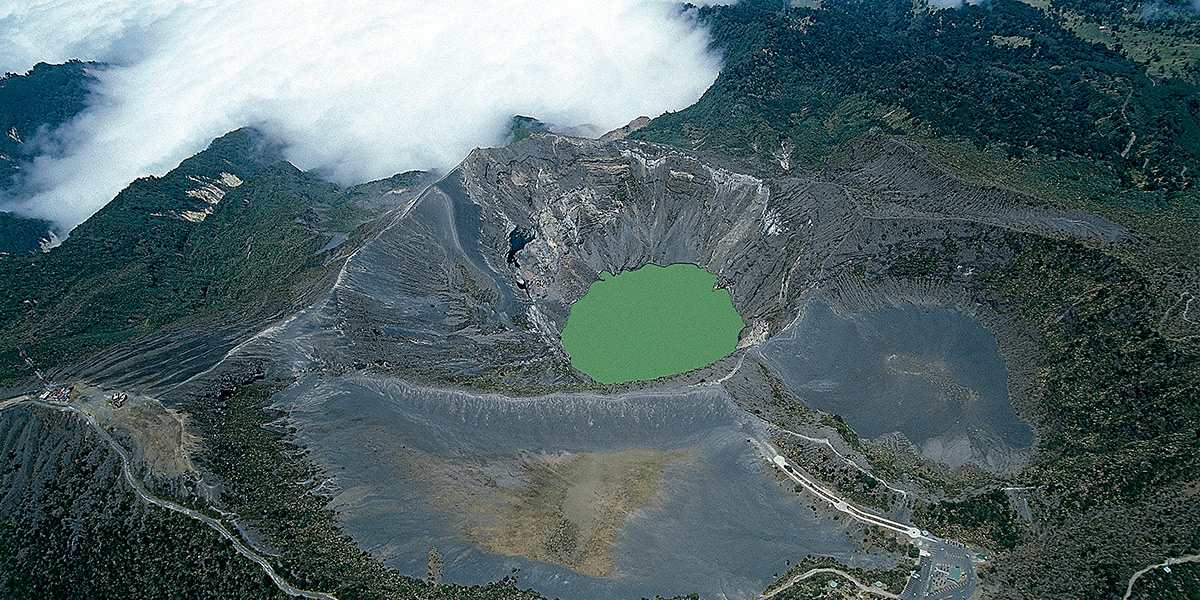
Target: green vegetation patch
<point x="811" y="578"/>
<point x="799" y="83"/>
<point x="139" y="265"/>
<point x="37" y="103"/>
<point x="20" y="234"/>
<point x="984" y="519"/>
<point x="71" y="527"/>
<point x="651" y="322"/>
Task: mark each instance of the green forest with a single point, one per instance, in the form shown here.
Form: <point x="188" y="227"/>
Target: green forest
<point x="812" y="79"/>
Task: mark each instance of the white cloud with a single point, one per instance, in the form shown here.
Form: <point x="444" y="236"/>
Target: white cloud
<point x="1156" y="10"/>
<point x="358" y="89"/>
<point x="956" y="3"/>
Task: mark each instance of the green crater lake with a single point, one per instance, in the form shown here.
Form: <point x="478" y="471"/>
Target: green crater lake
<point x="652" y="322"/>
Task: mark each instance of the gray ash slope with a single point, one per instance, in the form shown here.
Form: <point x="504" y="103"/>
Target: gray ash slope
<point x="446" y="287"/>
<point x="475" y="281"/>
<point x="472" y="283"/>
<point x="414" y="467"/>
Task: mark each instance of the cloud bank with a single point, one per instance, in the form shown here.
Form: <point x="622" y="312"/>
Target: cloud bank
<point x="1164" y="10"/>
<point x="357" y="89"/>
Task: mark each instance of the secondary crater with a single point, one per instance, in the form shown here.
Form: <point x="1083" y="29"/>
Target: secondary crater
<point x="929" y="373"/>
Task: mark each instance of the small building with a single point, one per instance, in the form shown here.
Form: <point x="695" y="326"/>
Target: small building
<point x="956" y="574"/>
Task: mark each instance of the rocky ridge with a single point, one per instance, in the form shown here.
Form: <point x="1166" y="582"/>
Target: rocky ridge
<point x="478" y="277"/>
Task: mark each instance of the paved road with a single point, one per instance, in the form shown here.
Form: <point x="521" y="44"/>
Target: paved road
<point x="14" y="401"/>
<point x="1166" y="563"/>
<point x="142" y="493"/>
<point x="824" y="441"/>
<point x="828" y="496"/>
<point x="932" y="581"/>
<point x="938" y="556"/>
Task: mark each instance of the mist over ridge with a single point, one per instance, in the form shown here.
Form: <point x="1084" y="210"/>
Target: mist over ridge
<point x="356" y="90"/>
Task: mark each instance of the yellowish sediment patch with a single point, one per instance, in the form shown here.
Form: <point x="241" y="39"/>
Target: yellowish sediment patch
<point x="563" y="508"/>
<point x="572" y="508"/>
<point x="157" y="436"/>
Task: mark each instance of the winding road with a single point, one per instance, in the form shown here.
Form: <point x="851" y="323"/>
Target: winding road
<point x="1166" y="563"/>
<point x="810" y="573"/>
<point x="933" y="549"/>
<point x="145" y="495"/>
<point x="828" y="496"/>
<point x="824" y="441"/>
<point x="767" y="450"/>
